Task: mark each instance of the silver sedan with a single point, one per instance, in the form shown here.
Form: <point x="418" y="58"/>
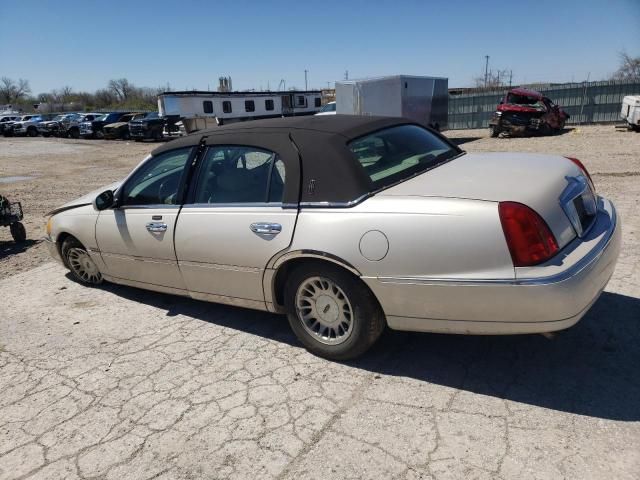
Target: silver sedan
<point x="350" y="224"/>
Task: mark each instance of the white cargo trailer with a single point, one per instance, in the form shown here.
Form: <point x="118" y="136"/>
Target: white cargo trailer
<point x="199" y="110"/>
<point x="423" y="99"/>
<point x="631" y="111"/>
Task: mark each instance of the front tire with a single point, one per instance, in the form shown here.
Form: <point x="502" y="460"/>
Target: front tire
<point x="332" y="313"/>
<point x="494" y="131"/>
<point x="18" y="232"/>
<point x="80" y="263"/>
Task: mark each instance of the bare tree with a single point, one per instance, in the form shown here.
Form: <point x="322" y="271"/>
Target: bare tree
<point x="122" y="88"/>
<point x="10" y="91"/>
<point x="495" y="79"/>
<point x="629" y="68"/>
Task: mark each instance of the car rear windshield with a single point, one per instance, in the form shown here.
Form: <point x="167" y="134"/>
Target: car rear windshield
<point x="393" y="154"/>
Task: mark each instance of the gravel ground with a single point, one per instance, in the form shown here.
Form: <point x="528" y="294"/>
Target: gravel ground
<point x="115" y="382"/>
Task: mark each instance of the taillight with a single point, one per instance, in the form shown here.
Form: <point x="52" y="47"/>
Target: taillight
<point x="528" y="237"/>
<point x="581" y="166"/>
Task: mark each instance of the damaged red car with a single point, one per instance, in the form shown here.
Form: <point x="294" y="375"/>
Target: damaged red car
<point x="523" y="112"/>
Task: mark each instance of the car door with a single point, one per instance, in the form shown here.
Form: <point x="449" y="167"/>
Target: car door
<point x="242" y="210"/>
<point x="136" y="238"/>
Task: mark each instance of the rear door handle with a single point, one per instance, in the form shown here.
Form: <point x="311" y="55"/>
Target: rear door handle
<point x="264" y="228"/>
<point x="157" y="227"/>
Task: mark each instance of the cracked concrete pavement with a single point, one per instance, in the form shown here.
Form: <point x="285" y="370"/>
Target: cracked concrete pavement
<point x="116" y="382"/>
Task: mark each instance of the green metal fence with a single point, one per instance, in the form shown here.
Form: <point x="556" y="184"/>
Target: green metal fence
<point x="592" y="102"/>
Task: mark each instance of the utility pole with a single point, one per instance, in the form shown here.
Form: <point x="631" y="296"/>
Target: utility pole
<point x="346" y="74"/>
<point x="305" y="79"/>
<point x="510" y="77"/>
<point x="486" y="70"/>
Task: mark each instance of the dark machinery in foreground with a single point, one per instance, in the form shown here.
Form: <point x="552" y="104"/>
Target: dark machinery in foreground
<point x="11" y="216"/>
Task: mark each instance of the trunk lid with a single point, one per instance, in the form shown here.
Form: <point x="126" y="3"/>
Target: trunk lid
<point x="537" y="181"/>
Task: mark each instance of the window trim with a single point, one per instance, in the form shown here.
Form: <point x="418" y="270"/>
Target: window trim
<point x="182" y="190"/>
<point x="304" y="103"/>
<point x="190" y="196"/>
<point x="267" y="102"/>
<point x="224" y="106"/>
<point x="317" y="101"/>
<point x="205" y="104"/>
<point x="246" y="106"/>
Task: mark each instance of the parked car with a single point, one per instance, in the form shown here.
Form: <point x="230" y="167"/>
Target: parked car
<point x="348" y="224"/>
<point x="525" y="111"/>
<point x="7" y="130"/>
<point x="26" y="127"/>
<point x="630" y="112"/>
<point x="149" y="126"/>
<point x="50" y="127"/>
<point x="93" y="128"/>
<point x="328" y="109"/>
<point x="72" y="126"/>
<point x="120" y="129"/>
<point x="7" y="121"/>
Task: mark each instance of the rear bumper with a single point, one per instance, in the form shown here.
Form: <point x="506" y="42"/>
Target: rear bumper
<point x="553" y="296"/>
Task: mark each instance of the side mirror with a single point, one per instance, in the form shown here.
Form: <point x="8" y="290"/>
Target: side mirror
<point x="104" y="200"/>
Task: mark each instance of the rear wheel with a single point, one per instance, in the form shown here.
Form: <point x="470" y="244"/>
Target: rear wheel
<point x="18" y="232"/>
<point x="32" y="132"/>
<point x="333" y="314"/>
<point x="77" y="259"/>
<point x="74" y="133"/>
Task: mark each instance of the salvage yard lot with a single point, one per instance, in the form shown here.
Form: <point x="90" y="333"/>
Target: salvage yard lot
<point x="115" y="382"/>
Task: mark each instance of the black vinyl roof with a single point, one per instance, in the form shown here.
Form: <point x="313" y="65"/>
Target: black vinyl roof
<point x="328" y="173"/>
<point x="347" y="126"/>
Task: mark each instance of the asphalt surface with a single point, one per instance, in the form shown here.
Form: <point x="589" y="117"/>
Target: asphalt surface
<point x="120" y="383"/>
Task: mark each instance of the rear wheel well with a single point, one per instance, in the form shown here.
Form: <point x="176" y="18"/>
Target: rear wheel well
<point x="285" y="270"/>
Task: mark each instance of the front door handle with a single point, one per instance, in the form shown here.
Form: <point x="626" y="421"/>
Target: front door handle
<point x="264" y="228"/>
<point x="157" y="227"/>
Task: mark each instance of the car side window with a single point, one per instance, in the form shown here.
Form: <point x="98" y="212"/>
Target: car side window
<point x="157" y="182"/>
<point x="238" y="174"/>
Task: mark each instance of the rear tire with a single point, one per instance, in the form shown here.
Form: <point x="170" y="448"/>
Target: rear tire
<point x="18" y="232"/>
<point x="79" y="262"/>
<point x="32" y="132"/>
<point x="332" y="313"/>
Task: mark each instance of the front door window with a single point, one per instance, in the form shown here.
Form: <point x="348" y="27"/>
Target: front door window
<point x="158" y="181"/>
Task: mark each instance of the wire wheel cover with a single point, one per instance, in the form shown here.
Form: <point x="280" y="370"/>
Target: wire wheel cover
<point x="82" y="265"/>
<point x="324" y="310"/>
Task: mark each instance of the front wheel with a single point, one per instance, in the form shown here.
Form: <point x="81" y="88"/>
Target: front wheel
<point x="333" y="314"/>
<point x="78" y="260"/>
<point x="18" y="232"/>
<point x="494" y="131"/>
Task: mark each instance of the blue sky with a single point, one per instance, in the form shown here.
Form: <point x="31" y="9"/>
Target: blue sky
<point x="189" y="44"/>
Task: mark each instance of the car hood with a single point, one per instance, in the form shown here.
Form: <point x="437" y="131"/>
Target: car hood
<point x="532" y="179"/>
<point x="83" y="200"/>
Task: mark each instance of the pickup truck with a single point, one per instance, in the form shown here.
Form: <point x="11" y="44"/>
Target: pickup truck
<point x="72" y="126"/>
<point x="93" y="128"/>
<point x="149" y="126"/>
<point x="120" y="129"/>
<point x="7" y="120"/>
<point x="28" y="125"/>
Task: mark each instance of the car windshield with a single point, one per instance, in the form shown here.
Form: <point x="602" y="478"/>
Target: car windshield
<point x="101" y="117"/>
<point x="329" y="107"/>
<point x="393" y="154"/>
<point x="151" y="115"/>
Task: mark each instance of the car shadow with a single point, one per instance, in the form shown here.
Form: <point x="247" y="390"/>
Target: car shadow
<point x="10" y="247"/>
<point x="592" y="369"/>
